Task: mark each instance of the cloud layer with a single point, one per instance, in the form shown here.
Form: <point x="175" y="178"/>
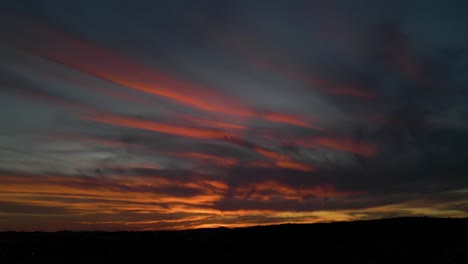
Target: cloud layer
<point x="175" y="115"/>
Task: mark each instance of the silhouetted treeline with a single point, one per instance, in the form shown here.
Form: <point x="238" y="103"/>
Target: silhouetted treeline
<point x="398" y="240"/>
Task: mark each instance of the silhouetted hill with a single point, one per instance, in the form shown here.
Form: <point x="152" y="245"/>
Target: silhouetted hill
<point x="397" y="240"/>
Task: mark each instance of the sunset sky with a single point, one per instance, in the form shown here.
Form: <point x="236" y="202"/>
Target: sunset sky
<point x="148" y="115"/>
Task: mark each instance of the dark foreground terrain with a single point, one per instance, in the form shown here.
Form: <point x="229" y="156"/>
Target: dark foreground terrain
<point x="398" y="240"/>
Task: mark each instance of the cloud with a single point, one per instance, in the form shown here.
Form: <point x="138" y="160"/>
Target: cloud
<point x="270" y="59"/>
<point x="15" y="85"/>
<point x="396" y="50"/>
<point x="118" y="69"/>
<point x="284" y="161"/>
<point x="339" y="144"/>
<point x="289" y="119"/>
<point x="220" y="161"/>
<point x="252" y="115"/>
<point x="149" y="125"/>
<point x="141" y="191"/>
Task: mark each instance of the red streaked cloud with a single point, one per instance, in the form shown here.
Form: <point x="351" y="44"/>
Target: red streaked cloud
<point x="321" y="84"/>
<point x="284" y="161"/>
<point x="401" y="55"/>
<point x="347" y="145"/>
<point x="291" y="119"/>
<point x="294" y="165"/>
<point x="410" y="67"/>
<point x="213" y="123"/>
<point x="127" y="72"/>
<point x="249" y="47"/>
<point x="280" y="160"/>
<point x="339" y="144"/>
<point x="116" y="68"/>
<point x="315" y="81"/>
<point x="143" y="124"/>
<point x="170" y="92"/>
<point x="220" y="161"/>
<point x="261" y="164"/>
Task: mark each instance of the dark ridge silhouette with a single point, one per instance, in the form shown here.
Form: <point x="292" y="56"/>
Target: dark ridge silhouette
<point x="396" y="240"/>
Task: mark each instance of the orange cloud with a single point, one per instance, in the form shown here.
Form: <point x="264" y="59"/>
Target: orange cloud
<point x="122" y="202"/>
<point x="135" y="189"/>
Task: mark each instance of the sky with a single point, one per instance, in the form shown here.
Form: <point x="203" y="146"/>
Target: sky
<point x="166" y="115"/>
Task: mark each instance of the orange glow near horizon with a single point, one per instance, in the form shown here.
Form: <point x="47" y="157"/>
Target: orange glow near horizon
<point x="113" y="197"/>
